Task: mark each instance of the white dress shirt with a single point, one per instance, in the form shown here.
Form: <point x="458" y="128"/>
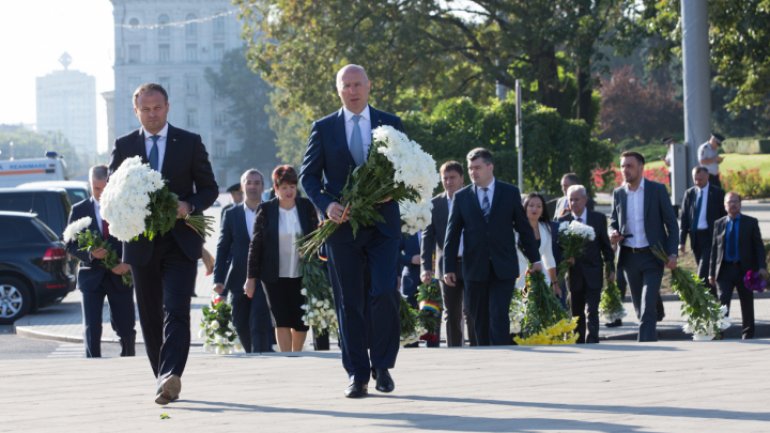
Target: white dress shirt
<point x="364" y="124"/>
<point x="702" y="223"/>
<point x="581" y="218"/>
<point x="635" y="217"/>
<point x="490" y="193"/>
<point x="163" y="133"/>
<point x="251" y="217"/>
<point x="288" y="231"/>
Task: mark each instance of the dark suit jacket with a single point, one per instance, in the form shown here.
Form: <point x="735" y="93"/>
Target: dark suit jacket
<point x="493" y="241"/>
<point x="410" y="273"/>
<point x="263" y="260"/>
<point x="660" y="223"/>
<point x="232" y="250"/>
<point x="91" y="273"/>
<point x="750" y="246"/>
<point x="328" y="163"/>
<point x="187" y="171"/>
<point x="715" y="209"/>
<point x="433" y="235"/>
<point x="590" y="264"/>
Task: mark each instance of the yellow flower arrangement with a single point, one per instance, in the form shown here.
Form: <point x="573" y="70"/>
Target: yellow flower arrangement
<point x="561" y="332"/>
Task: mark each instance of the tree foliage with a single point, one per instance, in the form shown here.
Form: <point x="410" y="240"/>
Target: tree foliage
<point x="248" y="98"/>
<point x="31" y="144"/>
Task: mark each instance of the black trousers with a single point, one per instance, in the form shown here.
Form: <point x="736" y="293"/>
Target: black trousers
<point x="251" y="319"/>
<point x="701" y="249"/>
<point x="585" y="305"/>
<point x="122" y="320"/>
<point x="488" y="304"/>
<point x="731" y="277"/>
<point x="456" y="310"/>
<point x="163" y="290"/>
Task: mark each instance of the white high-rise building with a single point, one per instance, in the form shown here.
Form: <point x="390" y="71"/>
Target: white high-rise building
<point x="172" y="42"/>
<point x="66" y="103"/>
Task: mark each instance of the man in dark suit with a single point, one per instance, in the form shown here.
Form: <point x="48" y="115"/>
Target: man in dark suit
<point x="642" y="219"/>
<point x="433" y="245"/>
<point x="562" y="204"/>
<point x="486" y="213"/>
<point x="701" y="206"/>
<point x="737" y="248"/>
<point x="96" y="281"/>
<point x="251" y="316"/>
<point x="164" y="268"/>
<point x="338" y="143"/>
<point x="586" y="273"/>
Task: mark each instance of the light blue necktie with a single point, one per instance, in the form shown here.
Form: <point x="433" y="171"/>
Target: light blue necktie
<point x="154" y="152"/>
<point x="356" y="143"/>
<point x="485" y="205"/>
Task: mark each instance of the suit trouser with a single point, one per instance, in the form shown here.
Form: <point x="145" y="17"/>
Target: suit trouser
<point x="731" y="277"/>
<point x="701" y="249"/>
<point x="585" y="297"/>
<point x="163" y="290"/>
<point x="644" y="273"/>
<point x="456" y="310"/>
<point x="488" y="304"/>
<point x="369" y="322"/>
<point x="122" y="320"/>
<point x="252" y="322"/>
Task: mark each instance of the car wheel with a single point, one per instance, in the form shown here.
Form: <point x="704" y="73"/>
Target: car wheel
<point x="15" y="299"/>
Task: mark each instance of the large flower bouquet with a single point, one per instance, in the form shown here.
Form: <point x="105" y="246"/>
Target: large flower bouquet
<point x="137" y="201"/>
<point x="77" y="231"/>
<point x="431" y="305"/>
<point x="411" y="327"/>
<point x="217" y="328"/>
<point x="611" y="305"/>
<point x="705" y="317"/>
<point x="397" y="169"/>
<point x="319" y="301"/>
<point x="573" y="237"/>
<point x="545" y="321"/>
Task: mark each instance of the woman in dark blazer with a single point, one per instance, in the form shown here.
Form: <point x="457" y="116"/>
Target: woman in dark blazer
<point x="274" y="259"/>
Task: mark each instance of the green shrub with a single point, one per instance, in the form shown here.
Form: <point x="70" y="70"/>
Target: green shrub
<point x="748" y="183"/>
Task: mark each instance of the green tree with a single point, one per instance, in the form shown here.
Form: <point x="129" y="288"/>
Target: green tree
<point x="248" y="99"/>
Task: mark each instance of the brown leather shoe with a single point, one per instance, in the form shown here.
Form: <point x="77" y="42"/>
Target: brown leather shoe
<point x="169" y="390"/>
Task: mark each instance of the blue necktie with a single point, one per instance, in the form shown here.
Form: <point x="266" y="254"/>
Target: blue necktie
<point x="154" y="152"/>
<point x="356" y="143"/>
<point x="485" y="205"/>
<point x="696" y="216"/>
<point x="732" y="244"/>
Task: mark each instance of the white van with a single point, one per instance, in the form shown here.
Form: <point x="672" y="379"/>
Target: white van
<point x="18" y="171"/>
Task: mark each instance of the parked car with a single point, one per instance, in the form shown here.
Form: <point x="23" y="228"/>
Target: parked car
<point x="77" y="190"/>
<point x="33" y="266"/>
<point x="51" y="205"/>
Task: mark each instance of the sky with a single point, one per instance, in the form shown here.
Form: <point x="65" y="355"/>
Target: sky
<point x="34" y="34"/>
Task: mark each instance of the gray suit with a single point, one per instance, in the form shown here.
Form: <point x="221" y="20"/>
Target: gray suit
<point x="642" y="269"/>
<point x="433" y="242"/>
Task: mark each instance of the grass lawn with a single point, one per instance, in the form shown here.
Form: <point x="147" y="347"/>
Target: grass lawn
<point x="735" y="162"/>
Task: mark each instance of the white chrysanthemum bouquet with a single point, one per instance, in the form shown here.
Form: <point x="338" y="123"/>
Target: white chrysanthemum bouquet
<point x="217" y="328"/>
<point x="397" y="169"/>
<point x="137" y="201"/>
<point x="573" y="237"/>
<point x="88" y="240"/>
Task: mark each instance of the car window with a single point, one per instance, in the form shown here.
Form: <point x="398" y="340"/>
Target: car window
<point x="17" y="202"/>
<point x="45" y="230"/>
<point x="16" y="230"/>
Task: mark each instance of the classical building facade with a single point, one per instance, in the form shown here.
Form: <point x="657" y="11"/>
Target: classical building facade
<point x="66" y="103"/>
<point x="172" y="42"/>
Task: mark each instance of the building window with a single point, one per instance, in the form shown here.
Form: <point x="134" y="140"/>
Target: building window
<point x="163" y="31"/>
<point x="219" y="27"/>
<point x="220" y="148"/>
<point x="191" y="85"/>
<point x="191" y="52"/>
<point x="192" y="118"/>
<point x="219" y="51"/>
<point x="166" y="83"/>
<point x="191" y="28"/>
<point x="219" y="120"/>
<point x="164" y="53"/>
<point x="134" y="54"/>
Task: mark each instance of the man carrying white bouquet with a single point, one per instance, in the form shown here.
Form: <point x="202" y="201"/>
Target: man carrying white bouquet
<point x="164" y="267"/>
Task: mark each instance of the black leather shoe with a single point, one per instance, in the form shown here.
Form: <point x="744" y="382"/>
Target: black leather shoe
<point x="357" y="389"/>
<point x="384" y="381"/>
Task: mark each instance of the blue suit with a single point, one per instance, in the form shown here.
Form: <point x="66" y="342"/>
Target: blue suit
<point x="96" y="282"/>
<point x="325" y="169"/>
<point x="490" y="264"/>
<point x="251" y="317"/>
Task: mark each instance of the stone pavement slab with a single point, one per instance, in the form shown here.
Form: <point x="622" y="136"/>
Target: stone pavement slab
<point x="683" y="386"/>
